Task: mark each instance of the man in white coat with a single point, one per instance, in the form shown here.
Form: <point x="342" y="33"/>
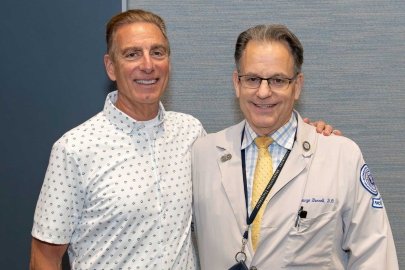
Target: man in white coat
<point x="323" y="209"/>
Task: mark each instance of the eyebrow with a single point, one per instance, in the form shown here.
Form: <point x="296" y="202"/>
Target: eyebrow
<point x="159" y="46"/>
<point x="126" y="49"/>
<point x="272" y="76"/>
<point x="136" y="48"/>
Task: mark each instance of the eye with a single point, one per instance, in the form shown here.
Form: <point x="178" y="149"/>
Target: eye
<point x="253" y="79"/>
<point x="278" y="81"/>
<point x="132" y="54"/>
<point x="158" y="53"/>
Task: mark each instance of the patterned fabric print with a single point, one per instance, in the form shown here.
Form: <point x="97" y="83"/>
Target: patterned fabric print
<point x="119" y="191"/>
<point x="263" y="173"/>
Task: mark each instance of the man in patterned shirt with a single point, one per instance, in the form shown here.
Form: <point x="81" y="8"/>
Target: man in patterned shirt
<point x="117" y="192"/>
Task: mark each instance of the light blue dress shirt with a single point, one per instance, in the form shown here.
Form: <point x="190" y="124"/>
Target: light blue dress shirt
<point x="283" y="140"/>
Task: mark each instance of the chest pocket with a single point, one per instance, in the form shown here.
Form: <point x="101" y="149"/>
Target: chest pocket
<point x="310" y="244"/>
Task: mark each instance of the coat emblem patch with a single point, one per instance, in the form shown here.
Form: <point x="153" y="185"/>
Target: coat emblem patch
<point x="367" y="180"/>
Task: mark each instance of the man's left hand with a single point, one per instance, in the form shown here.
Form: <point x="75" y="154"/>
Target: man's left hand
<point x="322" y="127"/>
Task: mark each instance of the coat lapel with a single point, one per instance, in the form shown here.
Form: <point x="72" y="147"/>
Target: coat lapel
<point x="300" y="156"/>
<point x="230" y="165"/>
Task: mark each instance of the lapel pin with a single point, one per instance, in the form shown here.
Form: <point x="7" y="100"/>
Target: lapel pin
<point x="226" y="157"/>
<point x="306" y="145"/>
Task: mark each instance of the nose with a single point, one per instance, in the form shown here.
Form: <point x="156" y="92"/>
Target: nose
<point x="147" y="63"/>
<point x="264" y="90"/>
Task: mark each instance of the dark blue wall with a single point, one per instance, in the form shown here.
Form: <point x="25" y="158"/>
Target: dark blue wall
<point x="52" y="78"/>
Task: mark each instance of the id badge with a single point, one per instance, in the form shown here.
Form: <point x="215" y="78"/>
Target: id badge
<point x="239" y="266"/>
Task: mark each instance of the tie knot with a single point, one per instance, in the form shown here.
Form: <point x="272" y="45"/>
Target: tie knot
<point x="263" y="142"/>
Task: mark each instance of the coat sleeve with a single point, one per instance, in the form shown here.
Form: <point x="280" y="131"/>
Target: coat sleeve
<point x="367" y="233"/>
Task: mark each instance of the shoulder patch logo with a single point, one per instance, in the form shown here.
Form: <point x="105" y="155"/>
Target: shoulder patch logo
<point x="367" y="180"/>
<point x="377" y="203"/>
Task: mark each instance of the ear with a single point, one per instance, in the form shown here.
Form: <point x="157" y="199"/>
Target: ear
<point x="236" y="84"/>
<point x="109" y="67"/>
<point x="299" y="84"/>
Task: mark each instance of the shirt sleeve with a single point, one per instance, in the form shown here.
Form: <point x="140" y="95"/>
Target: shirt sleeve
<point x="367" y="237"/>
<point x="61" y="198"/>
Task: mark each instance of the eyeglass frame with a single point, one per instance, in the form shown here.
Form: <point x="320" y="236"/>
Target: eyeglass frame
<point x="268" y="80"/>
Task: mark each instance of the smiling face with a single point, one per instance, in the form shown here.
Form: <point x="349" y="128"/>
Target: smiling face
<point x="140" y="66"/>
<point x="265" y="109"/>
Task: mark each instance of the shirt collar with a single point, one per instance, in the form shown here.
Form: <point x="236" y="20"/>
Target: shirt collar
<point x="123" y="121"/>
<point x="284" y="136"/>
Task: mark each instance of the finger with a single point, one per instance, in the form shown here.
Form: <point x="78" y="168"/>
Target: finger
<point x="314" y="124"/>
<point x="337" y="132"/>
<point x="328" y="129"/>
<point x="321" y="126"/>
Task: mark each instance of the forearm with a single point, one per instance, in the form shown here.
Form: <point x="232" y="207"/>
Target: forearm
<point x="42" y="263"/>
<point x="46" y="256"/>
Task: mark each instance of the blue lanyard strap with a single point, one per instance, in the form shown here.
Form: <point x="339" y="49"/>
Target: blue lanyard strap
<point x="270" y="184"/>
<point x="266" y="191"/>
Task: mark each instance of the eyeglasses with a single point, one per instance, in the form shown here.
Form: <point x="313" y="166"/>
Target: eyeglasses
<point x="275" y="83"/>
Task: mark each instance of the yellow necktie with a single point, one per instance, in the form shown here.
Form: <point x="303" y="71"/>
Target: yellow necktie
<point x="263" y="173"/>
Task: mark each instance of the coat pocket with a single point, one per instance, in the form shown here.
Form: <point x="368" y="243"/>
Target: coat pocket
<point x="310" y="244"/>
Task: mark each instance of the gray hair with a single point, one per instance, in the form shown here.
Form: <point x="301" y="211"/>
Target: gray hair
<point x="132" y="16"/>
<point x="268" y="33"/>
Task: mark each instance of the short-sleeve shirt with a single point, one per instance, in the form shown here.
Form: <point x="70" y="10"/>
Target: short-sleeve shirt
<point x="119" y="192"/>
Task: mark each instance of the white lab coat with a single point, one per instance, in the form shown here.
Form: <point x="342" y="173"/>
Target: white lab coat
<point x="345" y="226"/>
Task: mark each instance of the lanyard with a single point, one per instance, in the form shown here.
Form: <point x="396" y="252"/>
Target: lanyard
<point x="270" y="184"/>
<point x="241" y="256"/>
<point x="266" y="191"/>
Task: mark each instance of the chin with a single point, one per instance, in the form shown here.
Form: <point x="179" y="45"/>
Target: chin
<point x="264" y="123"/>
<point x="151" y="98"/>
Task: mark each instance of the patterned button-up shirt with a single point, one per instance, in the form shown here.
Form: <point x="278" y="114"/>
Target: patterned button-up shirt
<point x="119" y="191"/>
